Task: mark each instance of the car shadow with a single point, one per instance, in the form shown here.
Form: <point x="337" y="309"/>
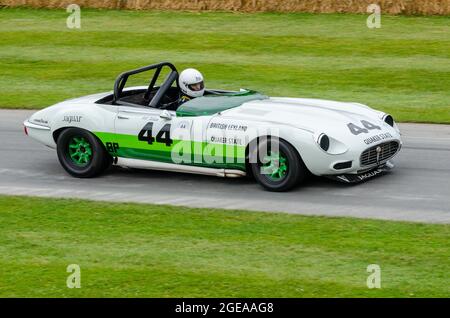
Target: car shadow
<point x="142" y="175"/>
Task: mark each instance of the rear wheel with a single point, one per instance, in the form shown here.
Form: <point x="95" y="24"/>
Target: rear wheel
<point x="279" y="167"/>
<point x="81" y="154"/>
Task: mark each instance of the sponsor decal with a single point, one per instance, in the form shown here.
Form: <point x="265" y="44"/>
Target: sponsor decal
<point x="234" y="127"/>
<point x="237" y="127"/>
<point x="226" y="140"/>
<point x="41" y="121"/>
<point x="150" y="118"/>
<point x="70" y="119"/>
<point x="377" y="138"/>
<point x="218" y="126"/>
<point x="183" y="125"/>
<point x="368" y="175"/>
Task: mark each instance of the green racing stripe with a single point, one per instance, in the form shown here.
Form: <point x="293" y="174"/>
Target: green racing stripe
<point x="180" y="151"/>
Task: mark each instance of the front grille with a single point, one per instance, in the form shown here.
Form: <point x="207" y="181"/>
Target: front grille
<point x="371" y="156"/>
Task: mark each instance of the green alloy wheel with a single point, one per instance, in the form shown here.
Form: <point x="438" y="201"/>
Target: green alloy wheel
<point x="80" y="151"/>
<point x="279" y="170"/>
<point x="81" y="154"/>
<point x="275" y="166"/>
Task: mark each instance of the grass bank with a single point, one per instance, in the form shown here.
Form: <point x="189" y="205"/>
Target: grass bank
<point x="134" y="250"/>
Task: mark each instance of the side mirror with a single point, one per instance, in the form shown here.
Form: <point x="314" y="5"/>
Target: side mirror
<point x="165" y="114"/>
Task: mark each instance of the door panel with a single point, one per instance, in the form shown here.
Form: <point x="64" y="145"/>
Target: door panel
<point x="142" y="134"/>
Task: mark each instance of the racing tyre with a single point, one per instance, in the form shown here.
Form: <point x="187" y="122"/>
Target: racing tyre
<point x="280" y="168"/>
<point x="81" y="154"/>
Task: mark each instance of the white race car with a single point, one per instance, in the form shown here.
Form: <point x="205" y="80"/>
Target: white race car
<point x="277" y="140"/>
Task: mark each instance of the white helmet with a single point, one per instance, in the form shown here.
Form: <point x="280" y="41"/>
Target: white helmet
<point x="191" y="83"/>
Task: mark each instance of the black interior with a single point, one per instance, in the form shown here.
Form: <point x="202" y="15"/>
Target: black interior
<point x="138" y="97"/>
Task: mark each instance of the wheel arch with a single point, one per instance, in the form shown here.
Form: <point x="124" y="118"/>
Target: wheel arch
<point x="58" y="132"/>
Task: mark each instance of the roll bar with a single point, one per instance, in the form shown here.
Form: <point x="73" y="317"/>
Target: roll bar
<point x="123" y="78"/>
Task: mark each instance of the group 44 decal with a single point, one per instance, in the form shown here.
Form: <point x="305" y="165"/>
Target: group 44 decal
<point x="163" y="136"/>
<point x="356" y="130"/>
<point x="146" y="135"/>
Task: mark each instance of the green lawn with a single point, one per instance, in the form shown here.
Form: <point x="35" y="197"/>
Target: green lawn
<point x="132" y="250"/>
<point x="402" y="68"/>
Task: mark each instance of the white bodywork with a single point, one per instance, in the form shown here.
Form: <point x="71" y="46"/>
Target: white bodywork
<point x="298" y="121"/>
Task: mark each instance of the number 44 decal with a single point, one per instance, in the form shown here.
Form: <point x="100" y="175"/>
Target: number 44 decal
<point x="356" y="130"/>
<point x="163" y="136"/>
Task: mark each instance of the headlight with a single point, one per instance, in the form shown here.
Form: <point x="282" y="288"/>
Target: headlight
<point x="388" y="119"/>
<point x="324" y="142"/>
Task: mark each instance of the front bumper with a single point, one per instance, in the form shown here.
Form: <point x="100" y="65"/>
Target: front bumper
<point x="364" y="175"/>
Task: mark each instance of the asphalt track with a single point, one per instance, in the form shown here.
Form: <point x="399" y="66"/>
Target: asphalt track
<point x="417" y="189"/>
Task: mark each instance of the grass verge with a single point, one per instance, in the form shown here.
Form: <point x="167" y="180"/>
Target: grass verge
<point x="134" y="250"/>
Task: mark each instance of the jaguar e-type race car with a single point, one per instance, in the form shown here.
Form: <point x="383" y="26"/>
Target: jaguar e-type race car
<point x="277" y="140"/>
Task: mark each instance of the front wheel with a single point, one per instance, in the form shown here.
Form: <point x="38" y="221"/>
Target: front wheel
<point x="81" y="154"/>
<point x="277" y="165"/>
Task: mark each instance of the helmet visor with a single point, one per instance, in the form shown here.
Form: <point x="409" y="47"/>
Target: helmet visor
<point x="197" y="86"/>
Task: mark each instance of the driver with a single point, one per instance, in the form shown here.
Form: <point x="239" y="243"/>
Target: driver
<point x="191" y="85"/>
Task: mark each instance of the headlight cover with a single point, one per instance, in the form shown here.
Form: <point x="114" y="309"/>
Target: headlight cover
<point x="324" y="142"/>
<point x="388" y="119"/>
<point x="330" y="145"/>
